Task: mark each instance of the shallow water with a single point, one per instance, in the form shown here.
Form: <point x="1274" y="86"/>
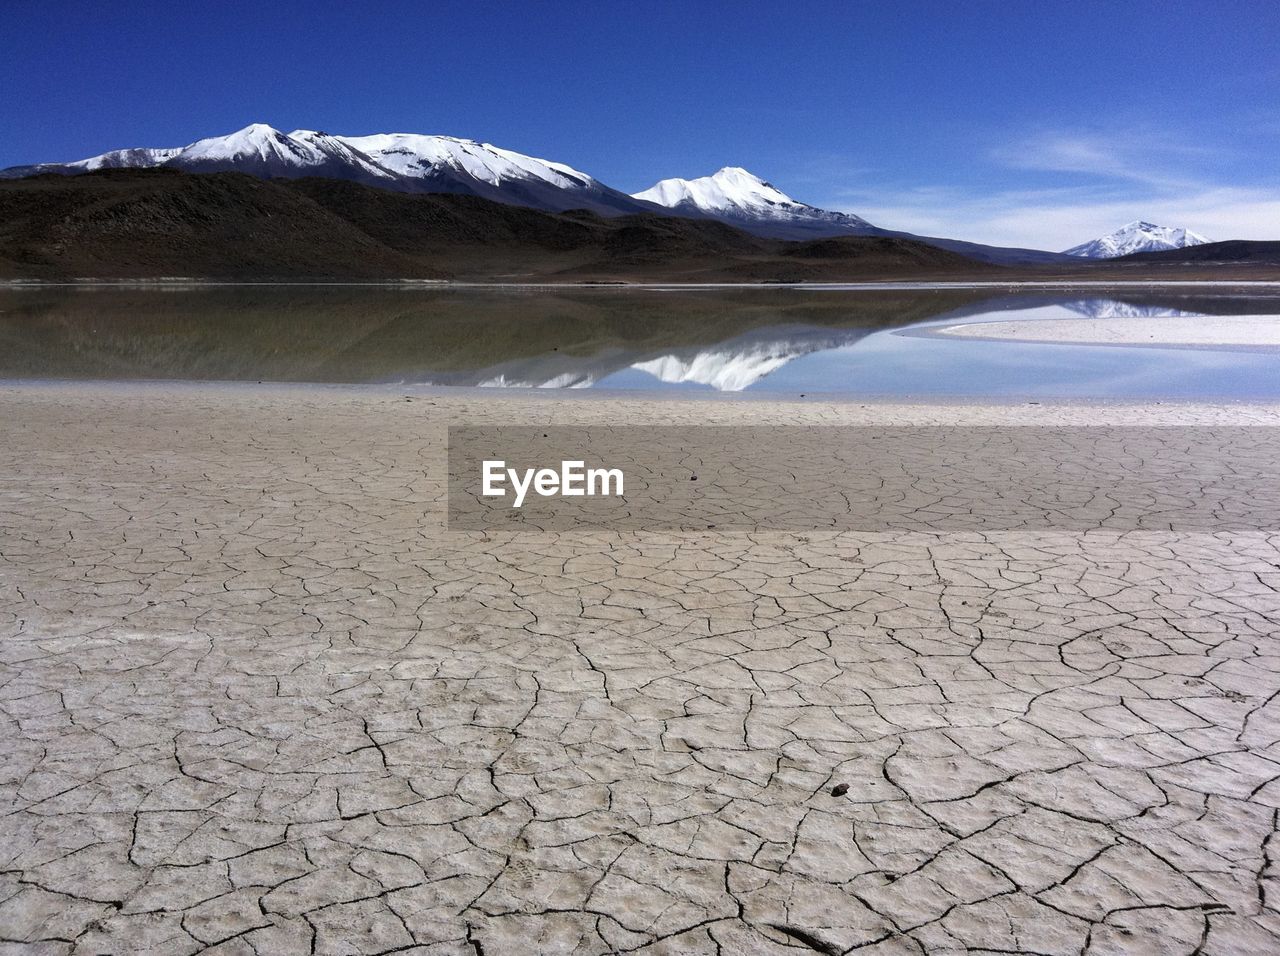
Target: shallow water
<point x="782" y="341"/>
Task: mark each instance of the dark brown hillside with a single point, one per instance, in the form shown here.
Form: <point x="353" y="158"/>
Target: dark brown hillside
<point x="435" y="220"/>
<point x="126" y="223"/>
<point x="477" y="238"/>
<point x="1266" y="253"/>
<point x="654" y="237"/>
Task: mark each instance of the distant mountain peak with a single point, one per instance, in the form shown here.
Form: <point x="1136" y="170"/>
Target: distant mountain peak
<point x="1137" y="236"/>
<point x="256" y="139"/>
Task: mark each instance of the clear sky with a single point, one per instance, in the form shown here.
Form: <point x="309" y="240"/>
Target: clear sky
<point x="1023" y="122"/>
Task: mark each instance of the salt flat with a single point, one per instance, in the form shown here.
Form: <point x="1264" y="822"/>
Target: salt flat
<point x="257" y="698"/>
<point x="1257" y="331"/>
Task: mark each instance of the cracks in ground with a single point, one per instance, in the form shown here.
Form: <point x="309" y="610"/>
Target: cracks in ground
<point x="303" y="724"/>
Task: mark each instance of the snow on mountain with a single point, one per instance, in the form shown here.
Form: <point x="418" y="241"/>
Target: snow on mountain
<point x="116" y="159"/>
<point x="260" y="150"/>
<point x="408" y="162"/>
<point x="1137" y="236"/>
<point x="745" y="200"/>
<point x="337" y="151"/>
<point x="731" y="190"/>
<point x="257" y="149"/>
<point x="257" y="141"/>
<point x="413" y="154"/>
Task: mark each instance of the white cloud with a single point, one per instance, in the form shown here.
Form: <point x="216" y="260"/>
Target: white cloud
<point x="1155" y="159"/>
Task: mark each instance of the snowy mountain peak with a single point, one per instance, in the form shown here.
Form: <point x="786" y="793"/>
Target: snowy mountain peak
<point x="736" y="176"/>
<point x="255" y="140"/>
<point x="729" y="190"/>
<point x="253" y="136"/>
<point x="1137" y="236"/>
<point x="741" y="198"/>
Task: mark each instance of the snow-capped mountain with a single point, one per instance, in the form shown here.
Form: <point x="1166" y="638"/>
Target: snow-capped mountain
<point x="408" y="162"/>
<point x="1137" y="236"/>
<point x="742" y="199"/>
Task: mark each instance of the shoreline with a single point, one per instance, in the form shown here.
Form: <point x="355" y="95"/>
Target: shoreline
<point x="727" y="408"/>
<point x="479" y="395"/>
<point x="179" y="283"/>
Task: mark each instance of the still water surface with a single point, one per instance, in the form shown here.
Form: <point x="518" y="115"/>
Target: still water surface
<point x="926" y="342"/>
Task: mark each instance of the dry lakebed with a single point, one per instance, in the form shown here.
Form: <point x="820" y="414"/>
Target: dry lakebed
<point x="257" y="697"/>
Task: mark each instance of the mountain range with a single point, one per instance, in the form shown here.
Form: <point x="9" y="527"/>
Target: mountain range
<point x="428" y="164"/>
<point x="140" y="223"/>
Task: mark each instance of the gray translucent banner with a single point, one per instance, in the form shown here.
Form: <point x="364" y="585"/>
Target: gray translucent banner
<point x="909" y="478"/>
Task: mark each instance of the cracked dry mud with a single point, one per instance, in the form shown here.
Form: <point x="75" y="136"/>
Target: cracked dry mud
<point x="256" y="699"/>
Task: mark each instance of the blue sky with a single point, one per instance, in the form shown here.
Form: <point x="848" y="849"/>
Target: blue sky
<point x="1015" y="122"/>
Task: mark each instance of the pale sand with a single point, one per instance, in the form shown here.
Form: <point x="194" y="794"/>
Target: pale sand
<point x="1207" y="331"/>
<point x="254" y="694"/>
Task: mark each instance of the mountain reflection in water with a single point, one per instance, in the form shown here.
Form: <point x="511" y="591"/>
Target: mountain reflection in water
<point x="758" y="340"/>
